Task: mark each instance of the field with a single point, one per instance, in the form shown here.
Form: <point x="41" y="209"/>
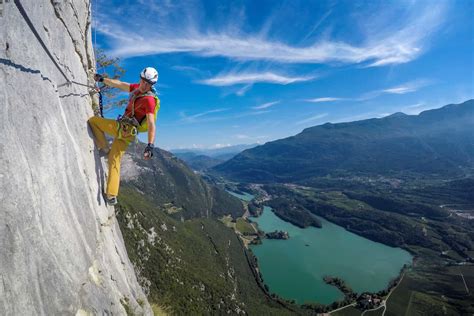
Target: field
<point x="227" y="220"/>
<point x="377" y="312"/>
<point x="466" y="272"/>
<point x="244" y="227"/>
<point x="445" y="287"/>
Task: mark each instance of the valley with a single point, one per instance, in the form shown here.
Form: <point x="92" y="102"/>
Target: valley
<point x="215" y="240"/>
<point x="408" y="216"/>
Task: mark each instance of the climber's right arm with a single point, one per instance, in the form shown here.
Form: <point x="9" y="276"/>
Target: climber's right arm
<point x="124" y="86"/>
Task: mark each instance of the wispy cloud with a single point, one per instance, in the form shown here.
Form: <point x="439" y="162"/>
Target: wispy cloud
<point x="242" y="91"/>
<point x="185" y="68"/>
<point x="252" y="113"/>
<point x="399" y="90"/>
<point x="247" y="137"/>
<point x="407" y="87"/>
<point x="217" y="146"/>
<point x="162" y="8"/>
<point x="265" y="105"/>
<point x="326" y="99"/>
<point x="416" y="105"/>
<point x="204" y="117"/>
<point x="417" y="108"/>
<point x="316" y="25"/>
<point x="201" y="146"/>
<point x="194" y="117"/>
<point x="404" y="88"/>
<point x="391" y="43"/>
<point x="251" y="78"/>
<point x="312" y="119"/>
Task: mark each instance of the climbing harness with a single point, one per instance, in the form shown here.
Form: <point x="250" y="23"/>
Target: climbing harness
<point x="128" y="125"/>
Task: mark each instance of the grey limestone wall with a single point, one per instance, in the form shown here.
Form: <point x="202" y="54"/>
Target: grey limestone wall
<point x="61" y="249"/>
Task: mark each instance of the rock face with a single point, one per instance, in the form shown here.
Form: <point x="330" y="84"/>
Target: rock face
<point x="61" y="249"/>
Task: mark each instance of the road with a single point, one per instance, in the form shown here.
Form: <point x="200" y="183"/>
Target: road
<point x="353" y="304"/>
<point x="390" y="293"/>
<point x="465" y="285"/>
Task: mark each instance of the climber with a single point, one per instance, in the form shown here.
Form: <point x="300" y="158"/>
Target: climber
<point x="139" y="116"/>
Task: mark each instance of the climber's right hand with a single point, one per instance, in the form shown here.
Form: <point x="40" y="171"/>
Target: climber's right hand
<point x="98" y="77"/>
<point x="148" y="152"/>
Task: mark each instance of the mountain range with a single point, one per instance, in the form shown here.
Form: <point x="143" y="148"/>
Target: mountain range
<point x="202" y="159"/>
<point x="437" y="142"/>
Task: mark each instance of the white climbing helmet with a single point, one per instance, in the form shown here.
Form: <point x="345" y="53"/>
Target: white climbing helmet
<point x="150" y="75"/>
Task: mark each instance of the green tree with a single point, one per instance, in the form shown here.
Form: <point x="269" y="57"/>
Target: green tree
<point x="109" y="67"/>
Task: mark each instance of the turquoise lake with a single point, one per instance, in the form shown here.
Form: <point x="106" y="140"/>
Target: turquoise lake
<point x="294" y="268"/>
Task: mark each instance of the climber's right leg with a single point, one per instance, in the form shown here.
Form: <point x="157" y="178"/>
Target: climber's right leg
<point x="100" y="125"/>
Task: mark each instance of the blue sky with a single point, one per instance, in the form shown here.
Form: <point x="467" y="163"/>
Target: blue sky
<point x="234" y="72"/>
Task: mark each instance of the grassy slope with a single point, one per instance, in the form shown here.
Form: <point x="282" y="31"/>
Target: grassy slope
<point x="173" y="186"/>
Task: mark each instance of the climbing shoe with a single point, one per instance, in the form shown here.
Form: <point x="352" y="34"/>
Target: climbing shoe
<point x="112" y="200"/>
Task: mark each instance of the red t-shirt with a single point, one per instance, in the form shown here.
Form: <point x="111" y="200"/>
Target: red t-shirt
<point x="143" y="105"/>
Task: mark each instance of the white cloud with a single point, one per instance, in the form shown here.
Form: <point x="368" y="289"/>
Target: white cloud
<point x="416" y="105"/>
<point x="216" y="146"/>
<point x="185" y="68"/>
<point x="242" y="91"/>
<point x="327" y="99"/>
<point x="247" y="137"/>
<point x="399" y="90"/>
<point x="201" y="146"/>
<point x="192" y="118"/>
<point x="391" y="42"/>
<point x="251" y="78"/>
<point x="203" y="116"/>
<point x="417" y="108"/>
<point x="265" y="105"/>
<point x="242" y="136"/>
<point x="313" y="118"/>
<point x="404" y="88"/>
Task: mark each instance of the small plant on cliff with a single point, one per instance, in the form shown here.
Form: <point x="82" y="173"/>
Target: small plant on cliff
<point x="110" y="67"/>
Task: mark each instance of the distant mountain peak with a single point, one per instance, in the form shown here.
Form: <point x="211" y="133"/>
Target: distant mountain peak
<point x="397" y="114"/>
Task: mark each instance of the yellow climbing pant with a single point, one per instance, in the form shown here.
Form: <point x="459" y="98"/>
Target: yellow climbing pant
<point x="100" y="126"/>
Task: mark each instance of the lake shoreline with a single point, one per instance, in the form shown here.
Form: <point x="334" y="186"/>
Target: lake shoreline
<point x="258" y="269"/>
